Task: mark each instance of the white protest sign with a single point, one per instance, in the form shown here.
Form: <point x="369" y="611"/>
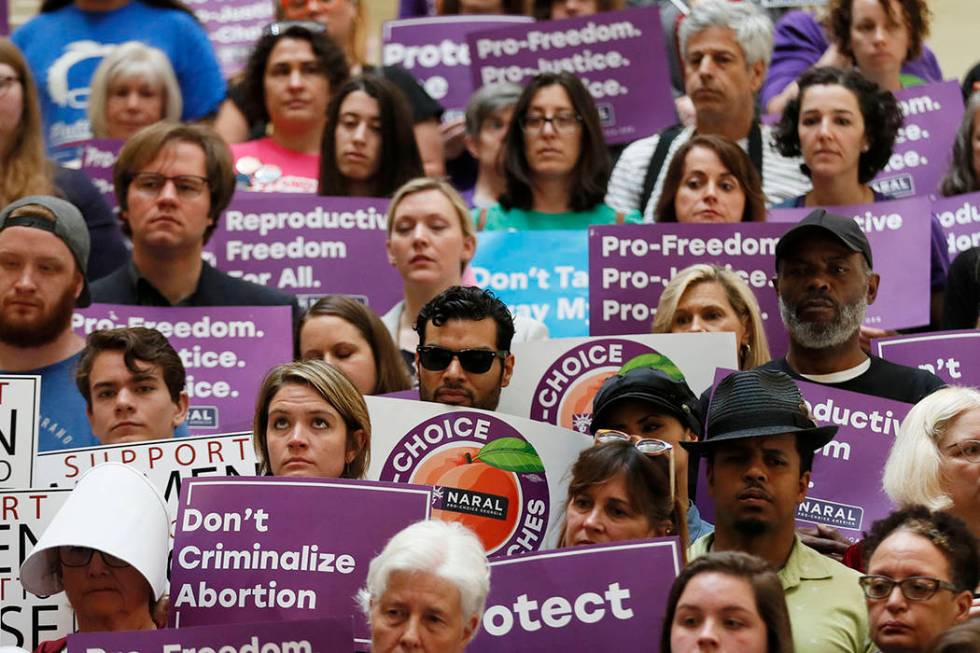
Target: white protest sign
<point x="20" y="400"/>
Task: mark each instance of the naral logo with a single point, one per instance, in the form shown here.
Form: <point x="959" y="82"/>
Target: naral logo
<point x="203" y="417"/>
<point x="898" y="186"/>
<point x="564" y="393"/>
<point x="486" y="476"/>
<point x="821" y="511"/>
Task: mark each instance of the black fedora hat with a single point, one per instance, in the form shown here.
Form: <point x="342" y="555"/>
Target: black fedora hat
<point x="758" y="403"/>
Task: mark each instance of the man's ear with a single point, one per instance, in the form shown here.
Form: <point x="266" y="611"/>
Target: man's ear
<point x="757" y="75"/>
<point x="508" y="370"/>
<point x="183" y="405"/>
<point x="873" y="280"/>
<point x="803" y="486"/>
<point x="470" y="628"/>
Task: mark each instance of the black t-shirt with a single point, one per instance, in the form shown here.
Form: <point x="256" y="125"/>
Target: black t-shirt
<point x="883" y="379"/>
<point x="962" y="302"/>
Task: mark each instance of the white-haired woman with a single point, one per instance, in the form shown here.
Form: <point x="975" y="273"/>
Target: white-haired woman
<point x="133" y="87"/>
<point x="427" y="589"/>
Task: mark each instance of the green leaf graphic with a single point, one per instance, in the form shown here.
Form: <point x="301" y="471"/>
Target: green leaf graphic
<point x="511" y="455"/>
<point x="656" y="361"/>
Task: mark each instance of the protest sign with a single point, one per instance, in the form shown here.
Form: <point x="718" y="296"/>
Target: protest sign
<point x="539" y="274"/>
<point x="555" y="381"/>
<point x="95" y="157"/>
<point x="219" y="347"/>
<point x="501" y="476"/>
<point x="233" y="27"/>
<point x="611" y="597"/>
<point x="953" y="356"/>
<point x="25" y="619"/>
<point x="845" y="487"/>
<point x="248" y="550"/>
<point x="435" y="51"/>
<point x="308" y="246"/>
<point x="618" y="55"/>
<point x="301" y="636"/>
<point x="20" y="401"/>
<point x="959" y="217"/>
<point x="923" y="147"/>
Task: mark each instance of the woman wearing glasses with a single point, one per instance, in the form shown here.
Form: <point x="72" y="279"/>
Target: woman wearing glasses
<point x="923" y="567"/>
<point x="556" y="165"/>
<point x="310" y="420"/>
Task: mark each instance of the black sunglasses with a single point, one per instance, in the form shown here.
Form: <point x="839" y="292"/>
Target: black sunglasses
<point x="475" y="361"/>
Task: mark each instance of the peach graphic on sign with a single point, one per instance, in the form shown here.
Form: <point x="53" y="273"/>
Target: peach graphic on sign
<point x="576" y="409"/>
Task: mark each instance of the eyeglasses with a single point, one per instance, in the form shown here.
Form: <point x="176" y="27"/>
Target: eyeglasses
<point x="647" y="446"/>
<point x="967" y="449"/>
<point x="475" y="361"/>
<point x="80" y="556"/>
<point x="188" y="186"/>
<point x="283" y="26"/>
<point x="6" y="82"/>
<point x="914" y="588"/>
<point x="563" y="123"/>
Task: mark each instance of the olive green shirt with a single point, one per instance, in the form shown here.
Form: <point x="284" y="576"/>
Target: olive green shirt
<point x="827" y="610"/>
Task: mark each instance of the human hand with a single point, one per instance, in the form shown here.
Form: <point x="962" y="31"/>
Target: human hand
<point x="869" y="333"/>
<point x="825" y="539"/>
<point x="452" y="137"/>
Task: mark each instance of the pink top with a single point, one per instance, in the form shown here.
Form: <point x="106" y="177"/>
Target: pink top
<point x="264" y="165"/>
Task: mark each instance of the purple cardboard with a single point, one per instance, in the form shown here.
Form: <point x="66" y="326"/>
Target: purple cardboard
<point x="845" y="488"/>
<point x="225" y="350"/>
<point x="435" y="51"/>
<point x="95" y="157"/>
<point x="308" y="246"/>
<point x="233" y="27"/>
<point x="619" y="55"/>
<point x="305" y="636"/>
<point x="923" y="148"/>
<point x="268" y="549"/>
<point x="610" y="597"/>
<point x="900" y="236"/>
<point x="953" y="356"/>
<point x="959" y="216"/>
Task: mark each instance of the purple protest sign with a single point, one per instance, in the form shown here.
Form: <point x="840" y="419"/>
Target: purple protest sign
<point x="233" y="27"/>
<point x="304" y="636"/>
<point x="629" y="266"/>
<point x="899" y="234"/>
<point x="845" y="487"/>
<point x="308" y="246"/>
<point x="435" y="51"/>
<point x="953" y="356"/>
<point x="610" y="597"/>
<point x="97" y="157"/>
<point x="250" y="549"/>
<point x="924" y="144"/>
<point x="959" y="217"/>
<point x="226" y="352"/>
<point x="620" y="56"/>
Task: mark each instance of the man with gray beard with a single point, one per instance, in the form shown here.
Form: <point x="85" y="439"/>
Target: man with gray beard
<point x="825" y="282"/>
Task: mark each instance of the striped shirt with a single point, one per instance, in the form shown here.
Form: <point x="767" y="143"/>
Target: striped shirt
<point x="781" y="176"/>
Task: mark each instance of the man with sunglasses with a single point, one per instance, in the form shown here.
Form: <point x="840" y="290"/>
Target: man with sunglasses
<point x="464" y="358"/>
<point x="172" y="182"/>
<point x="759" y="450"/>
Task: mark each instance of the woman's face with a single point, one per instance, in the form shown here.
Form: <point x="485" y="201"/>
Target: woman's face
<point x="358" y="137"/>
<point x="962" y="477"/>
<point x="605" y="513"/>
<point x="340" y="343"/>
<point x="553" y="151"/>
<point x="295" y="85"/>
<point x="481" y="7"/>
<point x="704" y="307"/>
<point x="306" y="436"/>
<point x="427" y="244"/>
<point x="11" y="102"/>
<point x="132" y="103"/>
<point x="975" y="141"/>
<point x="338" y="16"/>
<point x="97" y="591"/>
<point x="717" y="612"/>
<point x="831" y="131"/>
<point x="879" y="42"/>
<point x="708" y="191"/>
<point x="572" y="8"/>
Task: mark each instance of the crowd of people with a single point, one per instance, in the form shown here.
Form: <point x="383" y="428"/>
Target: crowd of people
<point x="776" y="109"/>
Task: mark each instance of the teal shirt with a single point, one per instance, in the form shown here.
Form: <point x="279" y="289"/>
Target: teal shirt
<point x="827" y="610"/>
<point x="500" y="219"/>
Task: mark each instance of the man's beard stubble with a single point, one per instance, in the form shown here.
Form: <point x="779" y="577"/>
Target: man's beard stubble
<point x="43" y="331"/>
<point x="813" y="335"/>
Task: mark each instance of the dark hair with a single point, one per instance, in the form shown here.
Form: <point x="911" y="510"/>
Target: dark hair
<point x="400" y="160"/>
<point x="329" y="56"/>
<point x="591" y="172"/>
<point x="144" y="146"/>
<point x="141" y="348"/>
<point x="54" y="5"/>
<point x="916" y="15"/>
<point x="946" y="532"/>
<point x="805" y="454"/>
<point x="767" y="589"/>
<point x="542" y="8"/>
<point x="882" y="118"/>
<point x="961" y="638"/>
<point x="389" y="368"/>
<point x="509" y="7"/>
<point x="647" y="480"/>
<point x="961" y="177"/>
<point x="467" y="303"/>
<point x="735" y="160"/>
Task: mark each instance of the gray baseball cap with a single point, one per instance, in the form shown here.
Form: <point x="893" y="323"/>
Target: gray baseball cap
<point x="68" y="225"/>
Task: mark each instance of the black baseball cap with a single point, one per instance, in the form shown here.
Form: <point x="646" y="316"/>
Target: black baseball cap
<point x="653" y="386"/>
<point x="844" y="229"/>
